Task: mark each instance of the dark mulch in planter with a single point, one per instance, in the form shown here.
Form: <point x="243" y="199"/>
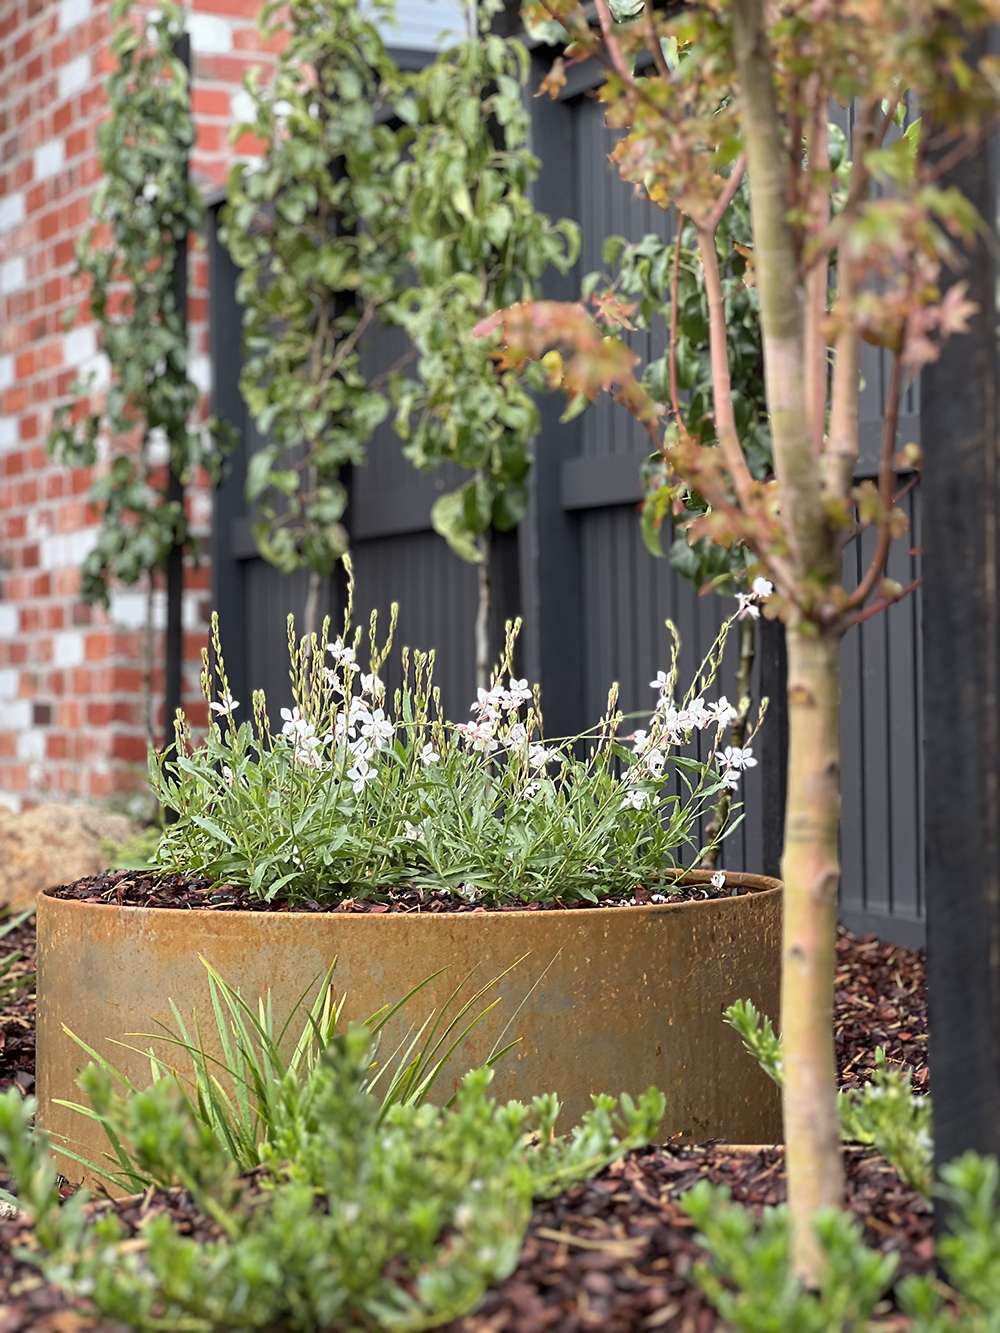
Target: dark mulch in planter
<point x="617" y="1253"/>
<point x="139" y="888"/>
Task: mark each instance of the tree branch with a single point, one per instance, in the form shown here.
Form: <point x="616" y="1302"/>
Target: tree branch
<point x="612" y="43"/>
<point x="675" y="281"/>
<point x="722" y="391"/>
<point x="655" y="49"/>
<point x="728" y="194"/>
<point x="883" y="604"/>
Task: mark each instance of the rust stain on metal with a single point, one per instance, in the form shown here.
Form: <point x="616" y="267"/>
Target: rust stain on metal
<point x="611" y="999"/>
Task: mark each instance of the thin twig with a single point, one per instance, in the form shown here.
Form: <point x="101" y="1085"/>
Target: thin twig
<point x="656" y="50"/>
<point x="675" y="283"/>
<point x="883" y="604"/>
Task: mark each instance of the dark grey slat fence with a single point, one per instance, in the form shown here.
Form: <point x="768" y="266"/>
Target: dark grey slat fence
<point x="594" y="601"/>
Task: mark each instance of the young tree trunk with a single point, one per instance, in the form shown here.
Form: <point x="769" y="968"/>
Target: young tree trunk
<point x="810" y="869"/>
<point x="483" y="607"/>
<point x="810" y="864"/>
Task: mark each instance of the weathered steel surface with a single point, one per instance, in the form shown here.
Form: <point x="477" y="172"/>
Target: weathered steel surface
<point x="604" y="999"/>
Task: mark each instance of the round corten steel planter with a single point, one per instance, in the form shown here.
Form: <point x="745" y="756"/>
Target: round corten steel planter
<point x="603" y="999"/>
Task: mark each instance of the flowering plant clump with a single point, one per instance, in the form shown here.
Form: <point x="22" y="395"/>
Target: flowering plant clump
<point x="351" y="797"/>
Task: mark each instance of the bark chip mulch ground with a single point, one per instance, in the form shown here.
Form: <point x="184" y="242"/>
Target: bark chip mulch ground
<point x="615" y="1253"/>
<point x="17" y="1010"/>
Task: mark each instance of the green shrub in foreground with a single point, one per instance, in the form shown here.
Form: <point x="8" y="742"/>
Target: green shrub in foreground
<point x="885" y="1113"/>
<point x="392" y="1219"/>
<point x="748" y="1276"/>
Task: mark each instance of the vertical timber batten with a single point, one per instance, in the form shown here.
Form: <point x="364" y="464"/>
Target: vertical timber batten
<point x="961" y="644"/>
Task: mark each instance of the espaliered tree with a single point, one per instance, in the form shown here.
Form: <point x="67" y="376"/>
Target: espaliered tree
<point x="474" y="242"/>
<point x="314" y="231"/>
<point x="750" y="95"/>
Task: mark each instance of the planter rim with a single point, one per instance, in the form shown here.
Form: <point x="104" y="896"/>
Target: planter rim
<point x="765" y="885"/>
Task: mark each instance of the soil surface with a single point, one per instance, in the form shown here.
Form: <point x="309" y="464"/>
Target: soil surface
<point x="139" y="888"/>
<point x="615" y="1253"/>
<point x="17" y="1010"/>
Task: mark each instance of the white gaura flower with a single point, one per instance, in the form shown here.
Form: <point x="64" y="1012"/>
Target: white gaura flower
<point x="738" y="757"/>
<point x="639" y="739"/>
<point x="341" y="652"/>
<point x="516" y="736"/>
<point x="479" y="736"/>
<point x="674" y="722"/>
<point x="428" y="755"/>
<point x="637" y="799"/>
<point x="360" y="774"/>
<point x="371" y="685"/>
<point x="518" y="693"/>
<point x="748" y="603"/>
<point x="722" y="712"/>
<point x="730" y="778"/>
<point x="661" y="683"/>
<point x="226" y="706"/>
<point x="540" y="757"/>
<point x="377" y="729"/>
<point x="655" y="760"/>
<point x="696" y="714"/>
<point x="489" y="703"/>
<point x="294" y="724"/>
<point x="531" y="790"/>
<point x="358" y="711"/>
<point x="305" y="751"/>
<point x="719" y="880"/>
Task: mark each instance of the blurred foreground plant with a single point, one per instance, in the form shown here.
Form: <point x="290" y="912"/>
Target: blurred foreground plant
<point x="373" y="1218"/>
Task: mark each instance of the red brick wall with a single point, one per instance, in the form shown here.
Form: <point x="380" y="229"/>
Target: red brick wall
<point x="71" y="677"/>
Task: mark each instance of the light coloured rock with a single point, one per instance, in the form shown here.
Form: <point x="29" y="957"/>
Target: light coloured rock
<point x="55" y="844"/>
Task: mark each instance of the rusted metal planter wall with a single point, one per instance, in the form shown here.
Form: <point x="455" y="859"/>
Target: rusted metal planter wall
<point x="629" y="997"/>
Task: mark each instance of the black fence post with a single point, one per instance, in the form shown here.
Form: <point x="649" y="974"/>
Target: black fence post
<point x="551" y="594"/>
<point x="174" y="646"/>
<point x="773" y="661"/>
<point x="961" y="642"/>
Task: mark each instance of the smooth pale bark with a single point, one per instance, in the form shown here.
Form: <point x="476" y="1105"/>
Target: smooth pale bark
<point x="781" y="297"/>
<point x="810" y="869"/>
<point x="810" y="866"/>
